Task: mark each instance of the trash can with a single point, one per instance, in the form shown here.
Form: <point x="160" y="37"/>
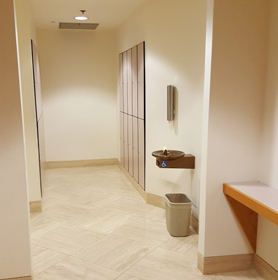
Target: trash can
<point x="178" y="214"/>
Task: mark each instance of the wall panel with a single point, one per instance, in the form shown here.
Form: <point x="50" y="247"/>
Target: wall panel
<point x="141" y="81"/>
<point x="39" y="114"/>
<point x="122" y="146"/>
<point x="121" y="97"/>
<point x="132" y="122"/>
<point x="126" y="141"/>
<point x="129" y="83"/>
<point x="125" y="87"/>
<point x="135" y="149"/>
<point x="130" y="145"/>
<point x="134" y="65"/>
<point x="15" y="259"/>
<point x="141" y="138"/>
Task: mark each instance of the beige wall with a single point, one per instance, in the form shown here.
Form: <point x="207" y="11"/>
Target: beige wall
<point x="267" y="243"/>
<point x="174" y="32"/>
<point x="26" y="32"/>
<point x="234" y="118"/>
<point x="14" y="234"/>
<point x="78" y="74"/>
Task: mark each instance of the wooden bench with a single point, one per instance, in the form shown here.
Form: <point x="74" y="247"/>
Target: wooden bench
<point x="250" y="199"/>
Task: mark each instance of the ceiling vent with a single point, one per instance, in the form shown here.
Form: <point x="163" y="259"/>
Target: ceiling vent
<point x="80" y="26"/>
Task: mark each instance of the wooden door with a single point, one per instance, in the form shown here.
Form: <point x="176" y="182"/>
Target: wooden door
<point x="141" y="81"/>
<point x="125" y="86"/>
<point x="125" y="141"/>
<point x="129" y="83"/>
<point x="141" y="154"/>
<point x="130" y="146"/>
<point x="134" y="82"/>
<point x="121" y="95"/>
<point x="122" y="145"/>
<point x="135" y="149"/>
<point x="132" y="108"/>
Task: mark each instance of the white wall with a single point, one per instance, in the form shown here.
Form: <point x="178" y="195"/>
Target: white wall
<point x="235" y="118"/>
<point x="174" y="32"/>
<point x="267" y="241"/>
<point x="14" y="234"/>
<point x="26" y="32"/>
<point x="79" y="84"/>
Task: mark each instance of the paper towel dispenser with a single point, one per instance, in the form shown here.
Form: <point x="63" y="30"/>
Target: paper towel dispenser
<point x="170" y="103"/>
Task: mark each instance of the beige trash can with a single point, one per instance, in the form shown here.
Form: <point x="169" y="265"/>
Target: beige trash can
<point x="178" y="214"/>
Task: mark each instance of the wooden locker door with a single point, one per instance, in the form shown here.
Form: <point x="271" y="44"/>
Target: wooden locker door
<point x="135" y="149"/>
<point x="126" y="141"/>
<point x="134" y="82"/>
<point x="141" y="142"/>
<point x="130" y="146"/>
<point x="121" y="94"/>
<point x="141" y="81"/>
<point x="122" y="145"/>
<point x="129" y="83"/>
<point x="125" y="87"/>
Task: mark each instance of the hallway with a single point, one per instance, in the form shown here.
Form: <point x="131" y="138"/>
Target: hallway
<point x="95" y="225"/>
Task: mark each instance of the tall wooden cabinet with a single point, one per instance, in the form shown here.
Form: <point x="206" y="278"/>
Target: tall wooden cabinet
<point x="132" y="111"/>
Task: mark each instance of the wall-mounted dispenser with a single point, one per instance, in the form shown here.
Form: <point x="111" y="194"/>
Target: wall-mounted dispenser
<point x="170" y="103"/>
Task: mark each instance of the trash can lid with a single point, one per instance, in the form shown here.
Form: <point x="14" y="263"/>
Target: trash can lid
<point x="177" y="198"/>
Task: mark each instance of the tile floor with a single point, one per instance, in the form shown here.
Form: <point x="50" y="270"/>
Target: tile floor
<point x="95" y="225"/>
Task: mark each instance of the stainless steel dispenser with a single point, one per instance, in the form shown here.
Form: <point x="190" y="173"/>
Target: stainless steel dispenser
<point x="170" y="103"/>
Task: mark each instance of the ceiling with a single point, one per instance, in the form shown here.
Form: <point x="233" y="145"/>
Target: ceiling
<point x="109" y="13"/>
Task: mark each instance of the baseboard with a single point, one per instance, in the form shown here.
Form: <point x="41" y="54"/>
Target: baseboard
<point x="81" y="163"/>
<point x="20" y="278"/>
<point x="264" y="269"/>
<point x="35" y="206"/>
<point x="194" y="223"/>
<point x="150" y="198"/>
<point x="219" y="264"/>
<point x="133" y="182"/>
<point x="156" y="200"/>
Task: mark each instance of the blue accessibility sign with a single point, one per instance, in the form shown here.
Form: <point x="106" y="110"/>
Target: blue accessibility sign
<point x="164" y="164"/>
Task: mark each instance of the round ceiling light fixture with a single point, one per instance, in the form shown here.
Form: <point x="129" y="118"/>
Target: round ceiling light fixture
<point x="83" y="17"/>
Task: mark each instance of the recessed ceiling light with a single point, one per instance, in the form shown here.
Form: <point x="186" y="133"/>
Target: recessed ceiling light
<point x="81" y="17"/>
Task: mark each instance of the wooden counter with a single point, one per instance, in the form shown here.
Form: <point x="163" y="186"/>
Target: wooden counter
<point x="248" y="199"/>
